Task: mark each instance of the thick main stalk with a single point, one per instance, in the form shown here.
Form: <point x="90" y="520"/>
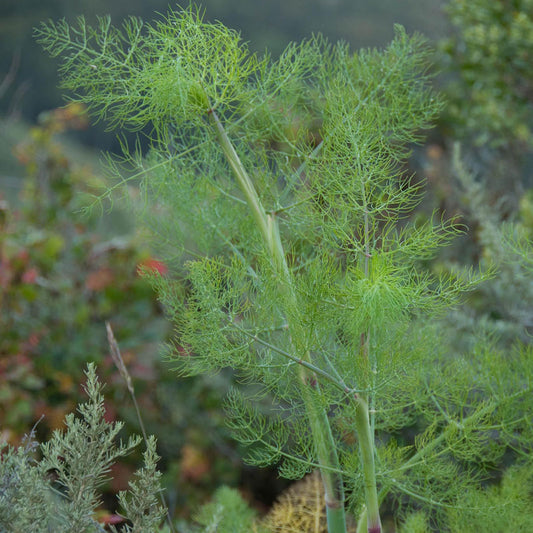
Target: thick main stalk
<point x="366" y="452"/>
<point x="321" y="430"/>
<point x="363" y="424"/>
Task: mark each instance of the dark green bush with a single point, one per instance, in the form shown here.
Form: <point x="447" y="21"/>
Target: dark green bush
<point x="489" y="61"/>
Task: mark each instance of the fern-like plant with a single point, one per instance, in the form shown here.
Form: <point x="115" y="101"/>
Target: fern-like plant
<point x="275" y="189"/>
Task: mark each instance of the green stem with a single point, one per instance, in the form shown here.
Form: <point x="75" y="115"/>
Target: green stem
<point x="366" y="451"/>
<point x="244" y="181"/>
<point x="320" y="427"/>
<point x="339" y="384"/>
<point x="363" y="423"/>
<point x="327" y="455"/>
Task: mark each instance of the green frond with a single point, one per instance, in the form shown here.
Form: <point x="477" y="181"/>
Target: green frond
<point x="159" y="73"/>
<point x="415" y="523"/>
<point x="270" y="438"/>
<point x="497" y="507"/>
<point x="141" y="504"/>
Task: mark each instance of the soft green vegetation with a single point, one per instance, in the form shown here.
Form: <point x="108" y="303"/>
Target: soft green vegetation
<point x="502" y="307"/>
<point x="298" y="263"/>
<point x="275" y="191"/>
<point x="227" y="513"/>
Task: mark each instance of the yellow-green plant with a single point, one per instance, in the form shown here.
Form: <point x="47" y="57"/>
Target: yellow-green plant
<point x="275" y="188"/>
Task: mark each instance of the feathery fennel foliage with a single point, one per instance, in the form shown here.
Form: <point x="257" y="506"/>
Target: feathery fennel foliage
<point x="275" y="189"/>
<point x="60" y="491"/>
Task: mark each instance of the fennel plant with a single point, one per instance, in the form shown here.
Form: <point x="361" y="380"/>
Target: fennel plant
<point x="275" y="191"/>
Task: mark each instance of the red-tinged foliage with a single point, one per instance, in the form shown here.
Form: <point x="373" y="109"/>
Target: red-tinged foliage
<point x="110" y="414"/>
<point x="60" y="281"/>
<point x="195" y="464"/>
<point x="120" y="476"/>
<point x="106" y="518"/>
<point x="152" y="266"/>
<point x="30" y="275"/>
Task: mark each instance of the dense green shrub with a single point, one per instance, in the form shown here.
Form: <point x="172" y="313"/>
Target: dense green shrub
<point x="484" y="169"/>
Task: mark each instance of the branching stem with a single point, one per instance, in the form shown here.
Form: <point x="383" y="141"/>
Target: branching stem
<point x="320" y="428"/>
<point x="339" y="384"/>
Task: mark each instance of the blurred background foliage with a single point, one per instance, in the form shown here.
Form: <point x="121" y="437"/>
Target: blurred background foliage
<point x="64" y="273"/>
